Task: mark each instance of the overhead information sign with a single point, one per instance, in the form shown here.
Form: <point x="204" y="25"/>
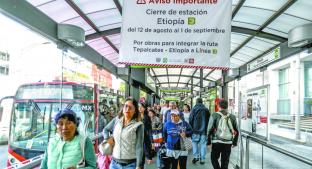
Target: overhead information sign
<point x="176" y="33"/>
<point x="175" y="89"/>
<point x="264" y="60"/>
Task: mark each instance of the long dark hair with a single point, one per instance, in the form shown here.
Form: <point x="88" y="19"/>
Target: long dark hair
<point x="153" y="111"/>
<point x="120" y="114"/>
<point x="145" y="108"/>
<point x="188" y="107"/>
<point x="136" y="109"/>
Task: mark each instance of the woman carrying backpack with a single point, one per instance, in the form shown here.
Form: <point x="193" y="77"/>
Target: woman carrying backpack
<point x="223" y="135"/>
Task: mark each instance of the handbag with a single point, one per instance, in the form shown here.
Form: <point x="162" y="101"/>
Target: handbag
<point x="157" y="136"/>
<point x="105" y="148"/>
<point x="162" y="151"/>
<point x="103" y="161"/>
<point x="187" y="143"/>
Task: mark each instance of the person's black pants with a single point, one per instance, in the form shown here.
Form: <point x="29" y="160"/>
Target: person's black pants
<point x="220" y="149"/>
<point x="143" y="161"/>
<point x="172" y="163"/>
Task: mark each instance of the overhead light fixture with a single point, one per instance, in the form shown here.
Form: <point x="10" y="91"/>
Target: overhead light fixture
<point x="300" y="36"/>
<point x="71" y="34"/>
<point x="234" y="72"/>
<point x="212" y="84"/>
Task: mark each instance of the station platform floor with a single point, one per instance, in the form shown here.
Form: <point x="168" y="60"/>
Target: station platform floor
<point x="189" y="164"/>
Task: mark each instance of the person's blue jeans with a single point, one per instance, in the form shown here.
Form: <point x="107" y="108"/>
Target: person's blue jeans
<point x="199" y="146"/>
<point x="158" y="160"/>
<point x="116" y="165"/>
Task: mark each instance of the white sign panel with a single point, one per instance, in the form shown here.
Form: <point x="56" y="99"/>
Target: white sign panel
<point x="255" y="116"/>
<point x="178" y="33"/>
<point x="264" y="60"/>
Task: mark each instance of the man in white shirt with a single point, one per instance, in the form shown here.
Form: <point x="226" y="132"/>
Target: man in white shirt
<point x="164" y="110"/>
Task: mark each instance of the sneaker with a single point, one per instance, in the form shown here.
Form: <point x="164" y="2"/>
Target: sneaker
<point x="202" y="162"/>
<point x="195" y="160"/>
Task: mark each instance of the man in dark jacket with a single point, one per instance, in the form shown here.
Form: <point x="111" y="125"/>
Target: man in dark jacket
<point x="199" y="119"/>
<point x="222" y="136"/>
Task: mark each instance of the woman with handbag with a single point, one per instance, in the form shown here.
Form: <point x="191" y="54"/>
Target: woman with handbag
<point x="104" y="157"/>
<point x="177" y="135"/>
<point x="127" y="138"/>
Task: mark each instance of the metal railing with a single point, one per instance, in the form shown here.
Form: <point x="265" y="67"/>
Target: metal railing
<point x="36" y="161"/>
<point x="263" y="143"/>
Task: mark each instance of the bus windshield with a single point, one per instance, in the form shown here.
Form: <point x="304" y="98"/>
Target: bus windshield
<point x="32" y="117"/>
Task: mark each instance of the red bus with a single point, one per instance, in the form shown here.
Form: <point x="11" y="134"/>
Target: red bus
<point x="33" y="109"/>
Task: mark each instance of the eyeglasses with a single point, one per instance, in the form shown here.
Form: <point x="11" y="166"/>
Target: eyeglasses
<point x="128" y="107"/>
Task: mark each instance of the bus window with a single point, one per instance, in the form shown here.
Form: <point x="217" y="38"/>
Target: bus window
<point x="30" y="125"/>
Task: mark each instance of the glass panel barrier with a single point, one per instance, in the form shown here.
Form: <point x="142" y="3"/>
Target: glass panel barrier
<point x="235" y="156"/>
<point x="260" y="154"/>
<point x="274" y="159"/>
<point x="255" y="155"/>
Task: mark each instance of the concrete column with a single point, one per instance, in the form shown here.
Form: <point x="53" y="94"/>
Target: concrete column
<point x="127" y="89"/>
<point x="135" y="92"/>
<point x="153" y="99"/>
<point x="128" y="83"/>
<point x="201" y="81"/>
<point x="192" y="88"/>
<point x="149" y="99"/>
<point x="224" y="89"/>
<point x="239" y="115"/>
<point x="297" y="96"/>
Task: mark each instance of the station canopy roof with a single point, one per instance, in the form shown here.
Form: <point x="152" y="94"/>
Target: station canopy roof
<point x="258" y="26"/>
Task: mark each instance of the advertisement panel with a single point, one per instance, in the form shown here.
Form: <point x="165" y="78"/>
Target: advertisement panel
<point x="176" y="33"/>
<point x="255" y="119"/>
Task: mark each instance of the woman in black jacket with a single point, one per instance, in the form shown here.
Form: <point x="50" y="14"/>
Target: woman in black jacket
<point x="147" y="133"/>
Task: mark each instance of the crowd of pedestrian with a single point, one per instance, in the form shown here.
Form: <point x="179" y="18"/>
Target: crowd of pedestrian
<point x="139" y="134"/>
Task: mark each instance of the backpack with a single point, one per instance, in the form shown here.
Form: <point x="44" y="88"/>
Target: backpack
<point x="225" y="130"/>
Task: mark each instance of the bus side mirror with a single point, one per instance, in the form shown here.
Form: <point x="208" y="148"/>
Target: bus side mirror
<point x="5" y="105"/>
